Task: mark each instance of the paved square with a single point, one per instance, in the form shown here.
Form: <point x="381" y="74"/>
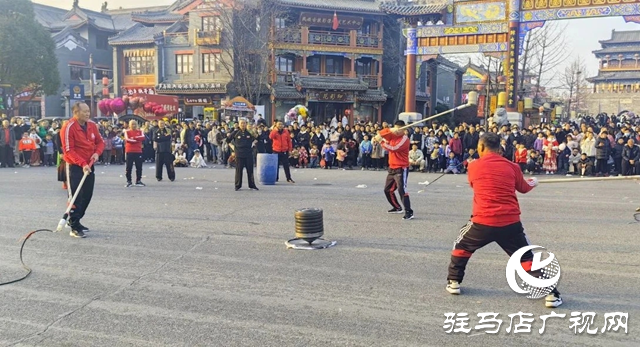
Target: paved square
<point x="173" y="265"/>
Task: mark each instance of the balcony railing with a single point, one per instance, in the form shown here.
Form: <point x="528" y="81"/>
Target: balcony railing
<point x="371" y="80"/>
<point x="180" y="39"/>
<point x="329" y="74"/>
<point x="329" y="38"/>
<point x="285" y="77"/>
<point x="288" y="35"/>
<point x="367" y="41"/>
<point x="207" y="38"/>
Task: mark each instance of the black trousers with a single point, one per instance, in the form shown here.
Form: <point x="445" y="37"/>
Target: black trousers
<point x="131" y="159"/>
<point x="601" y="166"/>
<point x="166" y="160"/>
<point x="241" y="163"/>
<point x="397" y="180"/>
<point x="474" y="236"/>
<point x="6" y="156"/>
<point x="85" y="195"/>
<point x="283" y="159"/>
<point x="627" y="167"/>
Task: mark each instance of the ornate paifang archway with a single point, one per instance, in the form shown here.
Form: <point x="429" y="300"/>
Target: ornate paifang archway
<point x="492" y="26"/>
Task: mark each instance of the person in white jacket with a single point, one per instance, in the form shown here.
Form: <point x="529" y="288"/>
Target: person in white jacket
<point x="416" y="158"/>
<point x="197" y="161"/>
<point x="588" y="146"/>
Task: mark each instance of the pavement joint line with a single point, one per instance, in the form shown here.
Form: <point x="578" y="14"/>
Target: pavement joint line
<point x="97" y="297"/>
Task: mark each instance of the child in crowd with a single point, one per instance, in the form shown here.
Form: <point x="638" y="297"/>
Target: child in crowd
<point x="365" y="150"/>
<point x="376" y="155"/>
<point x="181" y="158"/>
<point x="453" y="164"/>
<point x="118" y="143"/>
<point x="197" y="161"/>
<point x="585" y="165"/>
<point x="294" y="157"/>
<point x="26" y="146"/>
<point x="303" y="160"/>
<point x="341" y="155"/>
<point x="328" y="155"/>
<point x="574" y="160"/>
<point x="35" y="154"/>
<point x="521" y="157"/>
<point x="469" y="157"/>
<point x="48" y="150"/>
<point x="313" y="157"/>
<point x="534" y="163"/>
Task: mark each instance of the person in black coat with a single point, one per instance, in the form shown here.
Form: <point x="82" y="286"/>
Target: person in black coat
<point x="630" y="158"/>
<point x="243" y="142"/>
<point x="603" y="150"/>
<point x="470" y="139"/>
<point x="164" y="157"/>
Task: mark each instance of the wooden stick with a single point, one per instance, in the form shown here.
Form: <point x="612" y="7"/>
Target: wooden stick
<point x="437" y="115"/>
<point x="612" y="178"/>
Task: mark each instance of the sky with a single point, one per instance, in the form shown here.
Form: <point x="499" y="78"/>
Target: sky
<point x="582" y="34"/>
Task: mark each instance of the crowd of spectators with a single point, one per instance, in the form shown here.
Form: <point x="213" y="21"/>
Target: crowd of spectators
<point x="586" y="146"/>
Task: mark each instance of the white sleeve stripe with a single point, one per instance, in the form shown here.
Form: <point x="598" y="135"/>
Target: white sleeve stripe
<point x="399" y="144"/>
<point x="66" y="136"/>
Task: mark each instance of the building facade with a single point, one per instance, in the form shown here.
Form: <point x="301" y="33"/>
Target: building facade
<point x="78" y="35"/>
<point x="177" y="50"/>
<point x="328" y="57"/>
<point x="617" y="86"/>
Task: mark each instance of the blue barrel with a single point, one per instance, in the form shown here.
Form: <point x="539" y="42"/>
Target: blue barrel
<point x="267" y="167"/>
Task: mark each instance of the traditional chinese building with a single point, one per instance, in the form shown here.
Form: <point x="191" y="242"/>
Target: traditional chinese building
<point x="175" y="50"/>
<point x="327" y="55"/>
<point x="617" y="85"/>
<point x="78" y="34"/>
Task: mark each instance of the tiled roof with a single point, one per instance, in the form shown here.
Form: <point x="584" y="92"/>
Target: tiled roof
<point x="373" y="95"/>
<point x="413" y="10"/>
<point x="286" y="92"/>
<point x="55" y="19"/>
<point x="64" y="33"/>
<point x="372" y="6"/>
<point x="623" y="37"/>
<point x="156" y="17"/>
<point x="138" y="34"/>
<point x="618" y="49"/>
<point x="330" y="83"/>
<point x="605" y="76"/>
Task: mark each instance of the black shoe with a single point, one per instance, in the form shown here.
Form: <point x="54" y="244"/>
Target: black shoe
<point x="159" y="179"/>
<point x="254" y="188"/>
<point x="129" y="185"/>
<point x="77" y="233"/>
<point x="408" y="215"/>
<point x="140" y="184"/>
<point x="291" y="181"/>
<point x="237" y="189"/>
<point x="395" y="210"/>
<point x="77" y="226"/>
<point x="173" y="179"/>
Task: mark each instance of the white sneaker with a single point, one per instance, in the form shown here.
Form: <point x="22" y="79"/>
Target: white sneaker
<point x="453" y="287"/>
<point x="568" y="175"/>
<point x="553" y="301"/>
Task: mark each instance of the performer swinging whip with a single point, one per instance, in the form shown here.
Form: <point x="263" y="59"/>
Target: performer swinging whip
<point x="496" y="213"/>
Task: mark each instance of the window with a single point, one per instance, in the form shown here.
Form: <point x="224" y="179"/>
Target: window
<point x="210" y="24"/>
<point x="363" y="67"/>
<point x="281" y="23"/>
<point x="284" y="64"/>
<point x="77" y="73"/>
<point x="313" y="65"/>
<point x="365" y="29"/>
<point x="102" y="42"/>
<point x="210" y="63"/>
<point x="334" y="65"/>
<point x="184" y="63"/>
<point x="139" y="66"/>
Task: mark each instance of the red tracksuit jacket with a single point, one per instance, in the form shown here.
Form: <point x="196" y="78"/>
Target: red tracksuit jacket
<point x="79" y="145"/>
<point x="495" y="181"/>
<point x="398" y="147"/>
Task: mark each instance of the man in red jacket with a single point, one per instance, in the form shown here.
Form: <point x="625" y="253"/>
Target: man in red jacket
<point x="397" y="143"/>
<point x="496" y="213"/>
<point x="134" y="138"/>
<point x="282" y="146"/>
<point x="82" y="145"/>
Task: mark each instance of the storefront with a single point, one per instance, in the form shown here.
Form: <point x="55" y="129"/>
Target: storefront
<point x="237" y="108"/>
<point x="194" y="98"/>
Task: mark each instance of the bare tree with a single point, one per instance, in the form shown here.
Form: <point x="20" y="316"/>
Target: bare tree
<point x="573" y="81"/>
<point x="245" y="38"/>
<point x="394" y="61"/>
<point x="547" y="51"/>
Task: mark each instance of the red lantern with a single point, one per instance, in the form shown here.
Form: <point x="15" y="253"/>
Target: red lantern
<point x="105" y="81"/>
<point x="484" y="79"/>
<point x="147" y="107"/>
<point x="502" y="79"/>
<point x="347" y="112"/>
<point x="479" y="87"/>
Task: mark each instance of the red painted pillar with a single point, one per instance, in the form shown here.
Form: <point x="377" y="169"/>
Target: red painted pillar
<point x="410" y="77"/>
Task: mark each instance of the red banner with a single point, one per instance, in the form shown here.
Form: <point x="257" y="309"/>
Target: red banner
<point x="169" y="103"/>
<point x="481" y="105"/>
